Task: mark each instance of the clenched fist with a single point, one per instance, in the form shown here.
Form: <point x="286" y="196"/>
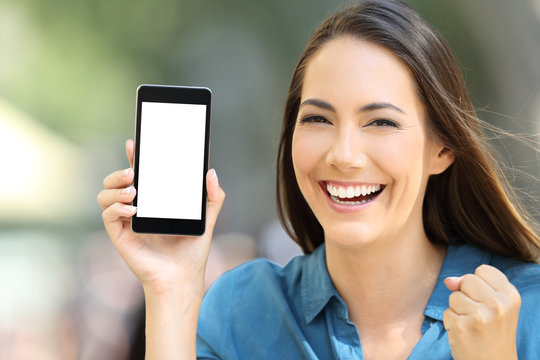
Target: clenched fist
<point x="483" y="314"/>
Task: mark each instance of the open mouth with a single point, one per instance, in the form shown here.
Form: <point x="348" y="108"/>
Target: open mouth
<point x="353" y="194"/>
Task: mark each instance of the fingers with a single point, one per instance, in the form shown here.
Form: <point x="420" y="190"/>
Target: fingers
<point x="484" y="297"/>
<point x="112" y="218"/>
<point x="117" y="211"/>
<point x="450" y="318"/>
<point x="483" y="284"/>
<point x="117" y="189"/>
<point x="116" y="197"/>
<point x="461" y="304"/>
<point x="493" y="277"/>
<point x="212" y="186"/>
<point x="107" y="197"/>
<point x="452" y="283"/>
<point x="130" y="146"/>
<point x="486" y="284"/>
<point x="215" y="199"/>
<point x="476" y="288"/>
<point x="119" y="179"/>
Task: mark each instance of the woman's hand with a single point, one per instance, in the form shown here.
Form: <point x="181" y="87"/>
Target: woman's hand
<point x="482" y="316"/>
<point x="170" y="268"/>
<point x="162" y="263"/>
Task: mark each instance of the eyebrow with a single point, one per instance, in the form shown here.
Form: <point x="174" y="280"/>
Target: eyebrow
<point x="366" y="108"/>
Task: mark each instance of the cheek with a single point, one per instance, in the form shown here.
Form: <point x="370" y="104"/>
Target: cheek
<point x="402" y="160"/>
<point x="300" y="156"/>
<point x="296" y="151"/>
<point x="401" y="153"/>
<point x="306" y="154"/>
<point x="409" y="174"/>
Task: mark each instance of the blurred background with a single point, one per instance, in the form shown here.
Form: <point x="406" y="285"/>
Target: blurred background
<point x="68" y="74"/>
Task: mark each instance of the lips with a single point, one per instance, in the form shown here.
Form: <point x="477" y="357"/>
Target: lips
<point x="352" y="194"/>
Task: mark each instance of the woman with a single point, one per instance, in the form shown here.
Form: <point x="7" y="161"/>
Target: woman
<point x="414" y="250"/>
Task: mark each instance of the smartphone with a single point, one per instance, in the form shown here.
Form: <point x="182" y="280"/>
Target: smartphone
<point x="172" y="135"/>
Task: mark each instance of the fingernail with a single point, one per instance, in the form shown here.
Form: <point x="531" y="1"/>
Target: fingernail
<point x="127" y="190"/>
<point x="126" y="172"/>
<point x="130" y="209"/>
<point x="213" y="174"/>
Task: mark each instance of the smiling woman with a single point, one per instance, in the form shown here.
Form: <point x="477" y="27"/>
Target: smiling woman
<point x="373" y="135"/>
<point x="436" y="80"/>
<point x="413" y="246"/>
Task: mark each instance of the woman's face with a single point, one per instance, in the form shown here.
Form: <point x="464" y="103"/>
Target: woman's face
<point x="361" y="151"/>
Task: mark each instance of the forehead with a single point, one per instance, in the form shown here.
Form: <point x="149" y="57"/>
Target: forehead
<point x="351" y="72"/>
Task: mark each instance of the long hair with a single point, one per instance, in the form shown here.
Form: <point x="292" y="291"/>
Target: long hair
<point x="471" y="200"/>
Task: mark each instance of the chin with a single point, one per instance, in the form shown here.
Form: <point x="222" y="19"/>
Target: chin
<point x="351" y="237"/>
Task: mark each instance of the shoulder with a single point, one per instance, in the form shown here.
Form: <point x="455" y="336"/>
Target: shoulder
<point x="465" y="258"/>
<point x="260" y="283"/>
<point x="257" y="276"/>
<point x="243" y="303"/>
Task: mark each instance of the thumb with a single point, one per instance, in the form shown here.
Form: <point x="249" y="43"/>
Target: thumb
<point x="129" y="151"/>
<point x="453" y="283"/>
<point x="216" y="197"/>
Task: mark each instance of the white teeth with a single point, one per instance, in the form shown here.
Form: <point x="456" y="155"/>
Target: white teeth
<point x="332" y="190"/>
<point x="351" y="191"/>
<point x="364" y="190"/>
<point x="336" y="199"/>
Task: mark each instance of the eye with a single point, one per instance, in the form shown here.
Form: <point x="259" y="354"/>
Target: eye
<point x="383" y="123"/>
<point x="315" y="119"/>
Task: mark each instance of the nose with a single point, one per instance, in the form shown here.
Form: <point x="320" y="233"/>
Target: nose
<point x="346" y="152"/>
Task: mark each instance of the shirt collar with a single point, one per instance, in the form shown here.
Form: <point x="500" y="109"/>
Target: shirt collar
<point x="459" y="260"/>
<point x="316" y="286"/>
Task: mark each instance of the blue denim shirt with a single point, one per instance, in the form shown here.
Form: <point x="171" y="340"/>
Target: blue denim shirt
<point x="263" y="311"/>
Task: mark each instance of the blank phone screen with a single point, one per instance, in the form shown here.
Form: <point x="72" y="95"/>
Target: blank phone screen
<point x="171" y="160"/>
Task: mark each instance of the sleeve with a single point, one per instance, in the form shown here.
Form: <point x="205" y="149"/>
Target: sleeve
<point x="237" y="314"/>
<point x="213" y="328"/>
<point x="528" y="334"/>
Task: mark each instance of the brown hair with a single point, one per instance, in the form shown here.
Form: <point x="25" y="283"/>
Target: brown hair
<point x="471" y="200"/>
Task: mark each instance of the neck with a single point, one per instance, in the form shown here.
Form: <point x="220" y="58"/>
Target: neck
<point x="385" y="282"/>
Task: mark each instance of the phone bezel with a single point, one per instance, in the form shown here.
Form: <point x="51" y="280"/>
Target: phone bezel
<point x="180" y="95"/>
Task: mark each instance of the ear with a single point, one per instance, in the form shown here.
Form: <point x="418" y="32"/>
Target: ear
<point x="441" y="160"/>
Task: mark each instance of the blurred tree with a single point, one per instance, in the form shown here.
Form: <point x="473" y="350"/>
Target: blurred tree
<point x="74" y="66"/>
